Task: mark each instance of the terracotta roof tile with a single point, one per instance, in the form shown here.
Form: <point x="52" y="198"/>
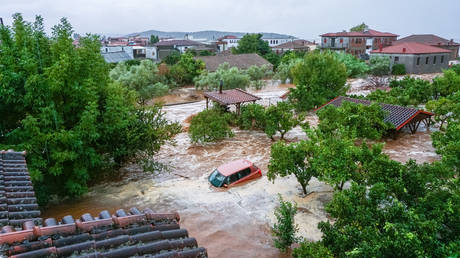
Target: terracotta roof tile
<point x="242" y="61"/>
<point x="368" y="33"/>
<point x="410" y="48"/>
<point x="228" y="97"/>
<point x="295" y="44"/>
<point x="427" y="39"/>
<point x="180" y="42"/>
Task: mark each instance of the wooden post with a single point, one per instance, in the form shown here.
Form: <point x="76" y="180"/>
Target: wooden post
<point x="238" y="108"/>
<point x="207" y="100"/>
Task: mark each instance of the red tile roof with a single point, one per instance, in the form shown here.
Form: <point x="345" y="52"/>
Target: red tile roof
<point x="410" y="48"/>
<point x="399" y="116"/>
<point x="242" y="61"/>
<point x="228" y="97"/>
<point x="295" y="44"/>
<point x="123" y="234"/>
<point x="368" y="33"/>
<point x="181" y="42"/>
<point x="427" y="39"/>
<point x="17" y="197"/>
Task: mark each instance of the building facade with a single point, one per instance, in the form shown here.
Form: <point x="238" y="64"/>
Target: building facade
<point x="357" y="43"/>
<point x="417" y="58"/>
<point x="435" y="41"/>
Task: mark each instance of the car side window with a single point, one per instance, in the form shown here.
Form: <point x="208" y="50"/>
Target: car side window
<point x="244" y="173"/>
<point x="233" y="178"/>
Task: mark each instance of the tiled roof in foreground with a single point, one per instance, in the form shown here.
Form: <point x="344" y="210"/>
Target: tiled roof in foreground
<point x="17" y="197"/>
<point x="124" y="234"/>
<point x="399" y="116"/>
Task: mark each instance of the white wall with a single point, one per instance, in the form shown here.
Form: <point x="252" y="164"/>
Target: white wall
<point x="127" y="49"/>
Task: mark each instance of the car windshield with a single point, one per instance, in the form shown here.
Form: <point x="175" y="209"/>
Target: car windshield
<point x="216" y="178"/>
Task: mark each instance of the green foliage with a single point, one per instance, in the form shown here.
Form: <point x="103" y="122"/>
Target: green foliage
<point x="285" y="229"/>
<point x="58" y="103"/>
<point x="379" y="65"/>
<point x="206" y="53"/>
<point x="408" y="91"/>
<point x="292" y="159"/>
<point x="273" y="58"/>
<point x="283" y="71"/>
<point x="280" y="118"/>
<point x="355" y="67"/>
<point x="209" y="126"/>
<point x="186" y="69"/>
<point x="445" y="109"/>
<point x="360" y="28"/>
<point x="447" y="144"/>
<point x="252" y="43"/>
<point x="252" y="117"/>
<point x="319" y="78"/>
<point x="154" y="39"/>
<point x="311" y="249"/>
<point x="398" y="69"/>
<point x="232" y="78"/>
<point x="143" y="78"/>
<point x="356" y="120"/>
<point x="257" y="74"/>
<point x="172" y="58"/>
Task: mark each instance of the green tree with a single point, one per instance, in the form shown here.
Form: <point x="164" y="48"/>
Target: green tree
<point x="59" y="104"/>
<point x="447" y="144"/>
<point x="280" y="118"/>
<point x="257" y="74"/>
<point x="321" y="77"/>
<point x="210" y="126"/>
<point x="292" y="159"/>
<point x="356" y="120"/>
<point x="398" y="69"/>
<point x="172" y="58"/>
<point x="445" y="109"/>
<point x="154" y="39"/>
<point x="355" y="67"/>
<point x="252" y="43"/>
<point x="379" y="65"/>
<point x="143" y="78"/>
<point x="273" y="58"/>
<point x="312" y="249"/>
<point x="186" y="69"/>
<point x="232" y="78"/>
<point x="283" y="71"/>
<point x="252" y="117"/>
<point x="360" y="28"/>
<point x="285" y="229"/>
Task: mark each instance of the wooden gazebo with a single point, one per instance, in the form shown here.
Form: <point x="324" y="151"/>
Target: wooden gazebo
<point x="230" y="97"/>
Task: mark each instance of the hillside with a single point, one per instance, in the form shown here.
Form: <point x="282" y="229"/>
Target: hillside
<point x="208" y="34"/>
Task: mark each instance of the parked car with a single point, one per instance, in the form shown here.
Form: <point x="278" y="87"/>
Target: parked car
<point x="233" y="173"/>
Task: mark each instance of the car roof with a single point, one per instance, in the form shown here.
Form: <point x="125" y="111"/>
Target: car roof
<point x="234" y="166"/>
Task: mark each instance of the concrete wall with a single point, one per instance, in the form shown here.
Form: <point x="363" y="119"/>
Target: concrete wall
<point x="335" y="42"/>
<point x="410" y="61"/>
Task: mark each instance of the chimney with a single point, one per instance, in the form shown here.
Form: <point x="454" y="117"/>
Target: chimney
<point x="221" y="83"/>
<point x="404" y="50"/>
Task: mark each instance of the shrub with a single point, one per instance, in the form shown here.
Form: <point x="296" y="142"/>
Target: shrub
<point x="209" y="126"/>
<point x="311" y="250"/>
<point x="379" y="65"/>
<point x="186" y="69"/>
<point x="252" y="117"/>
<point x="398" y="69"/>
<point x="284" y="230"/>
<point x="355" y="67"/>
<point x="232" y="78"/>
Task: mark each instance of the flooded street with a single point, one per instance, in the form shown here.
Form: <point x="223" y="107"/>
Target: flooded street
<point x="234" y="222"/>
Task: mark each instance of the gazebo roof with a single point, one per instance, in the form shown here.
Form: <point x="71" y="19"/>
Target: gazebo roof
<point x="229" y="97"/>
<point x="399" y="116"/>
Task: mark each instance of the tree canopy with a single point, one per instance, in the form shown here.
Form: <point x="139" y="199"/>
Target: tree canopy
<point x="59" y="104"/>
<point x="252" y="43"/>
<point x="360" y="27"/>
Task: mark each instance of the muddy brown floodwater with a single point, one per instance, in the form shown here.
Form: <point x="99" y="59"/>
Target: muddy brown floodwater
<point x="234" y="222"/>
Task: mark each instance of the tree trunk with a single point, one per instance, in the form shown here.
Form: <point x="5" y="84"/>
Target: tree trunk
<point x="341" y="186"/>
<point x="304" y="188"/>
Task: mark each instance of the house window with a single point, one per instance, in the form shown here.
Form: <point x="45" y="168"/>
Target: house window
<point x="325" y="40"/>
<point x="396" y="59"/>
<point x="434" y="60"/>
<point x="427" y="59"/>
<point x="341" y="40"/>
<point x="418" y="60"/>
<point x="442" y="59"/>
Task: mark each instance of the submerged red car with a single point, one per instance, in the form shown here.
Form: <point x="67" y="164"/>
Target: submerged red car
<point x="233" y="173"/>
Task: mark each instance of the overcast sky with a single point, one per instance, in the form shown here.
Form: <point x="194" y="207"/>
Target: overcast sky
<point x="301" y="18"/>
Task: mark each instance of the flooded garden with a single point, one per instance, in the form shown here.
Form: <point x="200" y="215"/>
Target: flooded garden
<point x="232" y="222"/>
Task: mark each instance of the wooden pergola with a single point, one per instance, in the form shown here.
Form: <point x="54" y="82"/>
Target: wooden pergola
<point x="230" y="97"/>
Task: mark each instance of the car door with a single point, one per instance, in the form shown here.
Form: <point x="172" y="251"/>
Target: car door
<point x="242" y="175"/>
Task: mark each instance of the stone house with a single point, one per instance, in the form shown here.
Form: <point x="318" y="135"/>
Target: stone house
<point x="435" y="41"/>
<point x="417" y="58"/>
